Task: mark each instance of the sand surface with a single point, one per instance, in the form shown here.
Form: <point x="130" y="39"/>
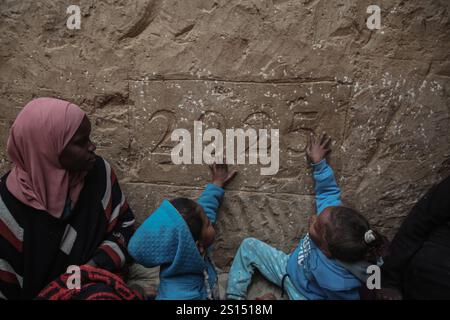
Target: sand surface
<point x="143" y="68"/>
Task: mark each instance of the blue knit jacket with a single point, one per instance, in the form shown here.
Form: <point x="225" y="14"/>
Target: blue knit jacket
<point x="164" y="240"/>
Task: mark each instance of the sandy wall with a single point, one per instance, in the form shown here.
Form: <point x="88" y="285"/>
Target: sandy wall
<point x="143" y="68"/>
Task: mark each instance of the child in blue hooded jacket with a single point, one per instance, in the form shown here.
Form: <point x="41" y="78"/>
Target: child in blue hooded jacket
<point x="177" y="236"/>
<point x="330" y="262"/>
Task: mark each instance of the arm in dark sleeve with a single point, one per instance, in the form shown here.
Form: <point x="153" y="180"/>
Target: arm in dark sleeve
<point x="430" y="212"/>
<point x="11" y="255"/>
<point x="112" y="253"/>
<point x="10" y="281"/>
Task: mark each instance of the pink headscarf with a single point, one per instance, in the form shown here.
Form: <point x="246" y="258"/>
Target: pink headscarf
<point x="39" y="134"/>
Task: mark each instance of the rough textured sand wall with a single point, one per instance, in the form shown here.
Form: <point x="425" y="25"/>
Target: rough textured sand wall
<point x="142" y="68"/>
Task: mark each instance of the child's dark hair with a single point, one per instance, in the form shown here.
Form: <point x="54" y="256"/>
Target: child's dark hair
<point x="190" y="212"/>
<point x="350" y="237"/>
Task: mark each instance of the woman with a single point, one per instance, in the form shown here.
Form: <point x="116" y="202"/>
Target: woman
<point x="60" y="205"/>
<point x="418" y="263"/>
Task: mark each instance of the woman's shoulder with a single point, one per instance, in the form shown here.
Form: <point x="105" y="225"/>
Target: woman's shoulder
<point x="3" y="178"/>
<point x="12" y="215"/>
<point x="6" y="198"/>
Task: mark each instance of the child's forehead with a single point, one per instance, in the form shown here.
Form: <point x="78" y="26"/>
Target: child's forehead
<point x="201" y="211"/>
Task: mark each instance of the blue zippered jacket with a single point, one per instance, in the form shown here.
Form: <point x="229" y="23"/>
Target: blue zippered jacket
<point x="316" y="276"/>
<point x="164" y="240"/>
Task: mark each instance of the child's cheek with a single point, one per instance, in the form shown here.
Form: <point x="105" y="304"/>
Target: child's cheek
<point x="210" y="237"/>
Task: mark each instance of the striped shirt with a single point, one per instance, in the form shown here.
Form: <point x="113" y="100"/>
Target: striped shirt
<point x="36" y="248"/>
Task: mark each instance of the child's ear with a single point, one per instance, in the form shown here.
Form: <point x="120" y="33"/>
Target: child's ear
<point x="200" y="247"/>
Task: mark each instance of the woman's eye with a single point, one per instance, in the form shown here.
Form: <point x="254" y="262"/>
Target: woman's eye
<point x="83" y="142"/>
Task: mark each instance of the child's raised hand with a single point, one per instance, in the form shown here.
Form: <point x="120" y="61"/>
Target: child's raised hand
<point x="316" y="149"/>
<point x="220" y="174"/>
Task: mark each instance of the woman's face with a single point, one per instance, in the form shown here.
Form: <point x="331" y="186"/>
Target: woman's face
<point x="79" y="154"/>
